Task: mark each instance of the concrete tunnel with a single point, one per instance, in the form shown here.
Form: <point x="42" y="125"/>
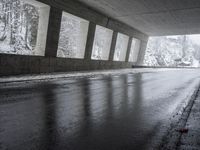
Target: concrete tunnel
<point x="72" y="76"/>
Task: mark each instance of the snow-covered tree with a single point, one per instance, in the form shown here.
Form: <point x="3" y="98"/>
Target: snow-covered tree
<point x="73" y="35"/>
<point x="102" y="43"/>
<point x="172" y="51"/>
<point x="18" y="27"/>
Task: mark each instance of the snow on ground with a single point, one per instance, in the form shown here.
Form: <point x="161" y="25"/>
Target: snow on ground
<point x="81" y="74"/>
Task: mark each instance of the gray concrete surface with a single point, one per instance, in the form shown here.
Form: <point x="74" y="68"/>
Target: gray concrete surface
<point x="153" y="17"/>
<point x="114" y="111"/>
<point x="19" y="64"/>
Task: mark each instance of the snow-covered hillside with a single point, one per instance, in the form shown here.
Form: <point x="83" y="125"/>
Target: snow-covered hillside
<point x="174" y="51"/>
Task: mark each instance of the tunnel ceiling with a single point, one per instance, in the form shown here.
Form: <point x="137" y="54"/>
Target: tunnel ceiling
<point x="153" y="17"/>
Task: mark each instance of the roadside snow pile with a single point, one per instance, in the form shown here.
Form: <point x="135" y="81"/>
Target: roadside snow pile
<point x="79" y="74"/>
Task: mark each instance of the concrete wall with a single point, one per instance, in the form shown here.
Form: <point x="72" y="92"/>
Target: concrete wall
<point x="17" y="64"/>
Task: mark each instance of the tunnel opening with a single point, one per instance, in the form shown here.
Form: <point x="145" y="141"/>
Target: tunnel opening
<point x="23" y="27"/>
<point x="173" y="51"/>
<point x="102" y="43"/>
<point x="73" y="36"/>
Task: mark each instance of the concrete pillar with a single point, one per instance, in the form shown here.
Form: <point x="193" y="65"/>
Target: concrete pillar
<point x="141" y="53"/>
<point x="113" y="44"/>
<point x="128" y="49"/>
<point x="53" y="32"/>
<point x="90" y="40"/>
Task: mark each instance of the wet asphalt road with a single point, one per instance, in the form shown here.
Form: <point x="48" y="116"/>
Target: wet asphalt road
<point x="116" y="112"/>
